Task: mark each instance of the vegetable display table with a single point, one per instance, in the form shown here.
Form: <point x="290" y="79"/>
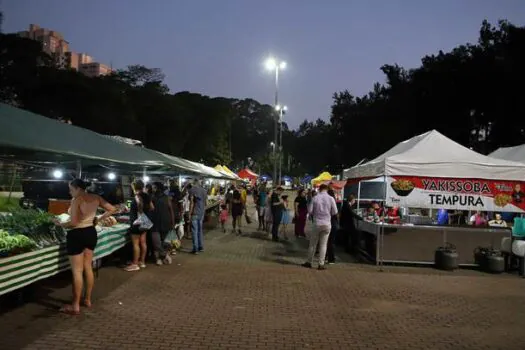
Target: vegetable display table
<point x="21" y="270"/>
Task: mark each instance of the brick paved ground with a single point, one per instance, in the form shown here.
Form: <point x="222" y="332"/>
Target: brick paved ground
<point x="249" y="293"/>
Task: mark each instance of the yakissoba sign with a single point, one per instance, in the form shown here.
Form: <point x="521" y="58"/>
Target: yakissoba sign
<point x="463" y="194"/>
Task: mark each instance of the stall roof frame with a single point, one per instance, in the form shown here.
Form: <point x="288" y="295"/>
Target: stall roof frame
<point x="434" y="155"/>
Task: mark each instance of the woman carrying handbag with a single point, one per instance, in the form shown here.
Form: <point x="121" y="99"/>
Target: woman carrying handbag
<point x="141" y="206"/>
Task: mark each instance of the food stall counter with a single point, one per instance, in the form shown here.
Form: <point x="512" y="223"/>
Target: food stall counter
<point x="409" y="243"/>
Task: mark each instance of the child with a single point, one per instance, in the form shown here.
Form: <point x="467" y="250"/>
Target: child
<point x="286" y="219"/>
<point x="223" y="217"/>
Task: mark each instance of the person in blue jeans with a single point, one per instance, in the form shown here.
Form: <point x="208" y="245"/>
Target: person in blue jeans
<point x="198" y="199"/>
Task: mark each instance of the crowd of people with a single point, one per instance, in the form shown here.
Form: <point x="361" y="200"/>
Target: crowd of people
<point x="276" y="215"/>
<point x="164" y="208"/>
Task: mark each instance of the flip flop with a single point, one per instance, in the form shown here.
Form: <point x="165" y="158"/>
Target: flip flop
<point x="68" y="310"/>
<point x="87" y="304"/>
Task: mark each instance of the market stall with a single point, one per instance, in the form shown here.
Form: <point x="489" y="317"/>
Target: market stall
<point x="287" y="182"/>
<point x="516" y="153"/>
<point x="27" y="251"/>
<point x="231" y="173"/>
<point x="428" y="173"/>
<point x="337" y="186"/>
<point x="265" y="178"/>
<point x="249" y="175"/>
<point x="307" y="181"/>
<point x="20" y="270"/>
<point x="325" y="176"/>
<point x="221" y="170"/>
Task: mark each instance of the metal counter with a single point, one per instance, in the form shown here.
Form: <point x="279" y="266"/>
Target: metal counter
<point x="391" y="243"/>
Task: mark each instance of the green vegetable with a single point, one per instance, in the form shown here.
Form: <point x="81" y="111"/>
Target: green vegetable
<point x="16" y="244"/>
<point x="34" y="224"/>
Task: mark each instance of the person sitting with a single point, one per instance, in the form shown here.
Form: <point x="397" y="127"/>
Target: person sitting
<point x="393" y="215"/>
<point x="443" y="217"/>
<point x="377" y="208"/>
<point x="498" y="221"/>
<point x="478" y="219"/>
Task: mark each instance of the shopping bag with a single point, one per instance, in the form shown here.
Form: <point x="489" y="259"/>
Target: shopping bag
<point x="518" y="228"/>
<point x="255" y="218"/>
<point x="176" y="244"/>
<point x="171" y="236"/>
<point x="143" y="222"/>
<point x="180" y="231"/>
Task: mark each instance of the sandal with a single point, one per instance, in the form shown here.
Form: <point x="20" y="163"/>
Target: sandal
<point x="132" y="268"/>
<point x="68" y="310"/>
<point x="87" y="303"/>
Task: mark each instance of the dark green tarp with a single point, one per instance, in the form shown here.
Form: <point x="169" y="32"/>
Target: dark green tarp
<point x="29" y="132"/>
<point x="28" y="136"/>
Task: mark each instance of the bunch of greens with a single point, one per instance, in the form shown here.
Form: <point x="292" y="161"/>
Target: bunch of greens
<point x="15" y="244"/>
<point x="34" y="224"/>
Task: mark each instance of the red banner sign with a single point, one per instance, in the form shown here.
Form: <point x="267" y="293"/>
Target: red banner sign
<point x="461" y="194"/>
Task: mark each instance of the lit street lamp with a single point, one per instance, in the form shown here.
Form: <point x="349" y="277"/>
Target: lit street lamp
<point x="272" y="145"/>
<point x="275" y="65"/>
<point x="282" y="110"/>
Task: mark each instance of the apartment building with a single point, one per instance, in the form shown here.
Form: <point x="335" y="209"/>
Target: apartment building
<point x="94" y="69"/>
<point x="74" y="60"/>
<point x="54" y="44"/>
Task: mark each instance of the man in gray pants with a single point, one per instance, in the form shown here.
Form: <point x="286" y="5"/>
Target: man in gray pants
<point x="322" y="208"/>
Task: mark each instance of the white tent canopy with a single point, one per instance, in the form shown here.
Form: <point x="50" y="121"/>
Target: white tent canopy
<point x="516" y="153"/>
<point x="209" y="171"/>
<point x="434" y="155"/>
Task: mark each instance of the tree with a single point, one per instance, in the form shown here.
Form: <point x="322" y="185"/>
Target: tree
<point x="21" y="61"/>
<point x="472" y="94"/>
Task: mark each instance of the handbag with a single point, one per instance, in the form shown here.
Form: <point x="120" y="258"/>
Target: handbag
<point x="143" y="222"/>
<point x="248" y="219"/>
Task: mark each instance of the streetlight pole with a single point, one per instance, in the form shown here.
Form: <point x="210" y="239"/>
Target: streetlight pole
<point x="281" y="110"/>
<point x="273" y="65"/>
<point x="272" y="144"/>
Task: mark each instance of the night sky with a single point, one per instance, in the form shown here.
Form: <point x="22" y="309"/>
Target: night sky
<point x="217" y="47"/>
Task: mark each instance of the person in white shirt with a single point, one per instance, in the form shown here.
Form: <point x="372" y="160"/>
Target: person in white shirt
<point x="322" y="208"/>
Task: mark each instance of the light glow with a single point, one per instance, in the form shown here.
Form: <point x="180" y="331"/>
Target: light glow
<point x="57" y="174"/>
<point x="272" y="64"/>
<point x="112" y="176"/>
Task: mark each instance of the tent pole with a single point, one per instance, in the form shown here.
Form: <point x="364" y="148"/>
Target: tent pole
<point x="12" y="184"/>
<point x="382" y="229"/>
<point x="79" y="169"/>
<point x="358" y="195"/>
